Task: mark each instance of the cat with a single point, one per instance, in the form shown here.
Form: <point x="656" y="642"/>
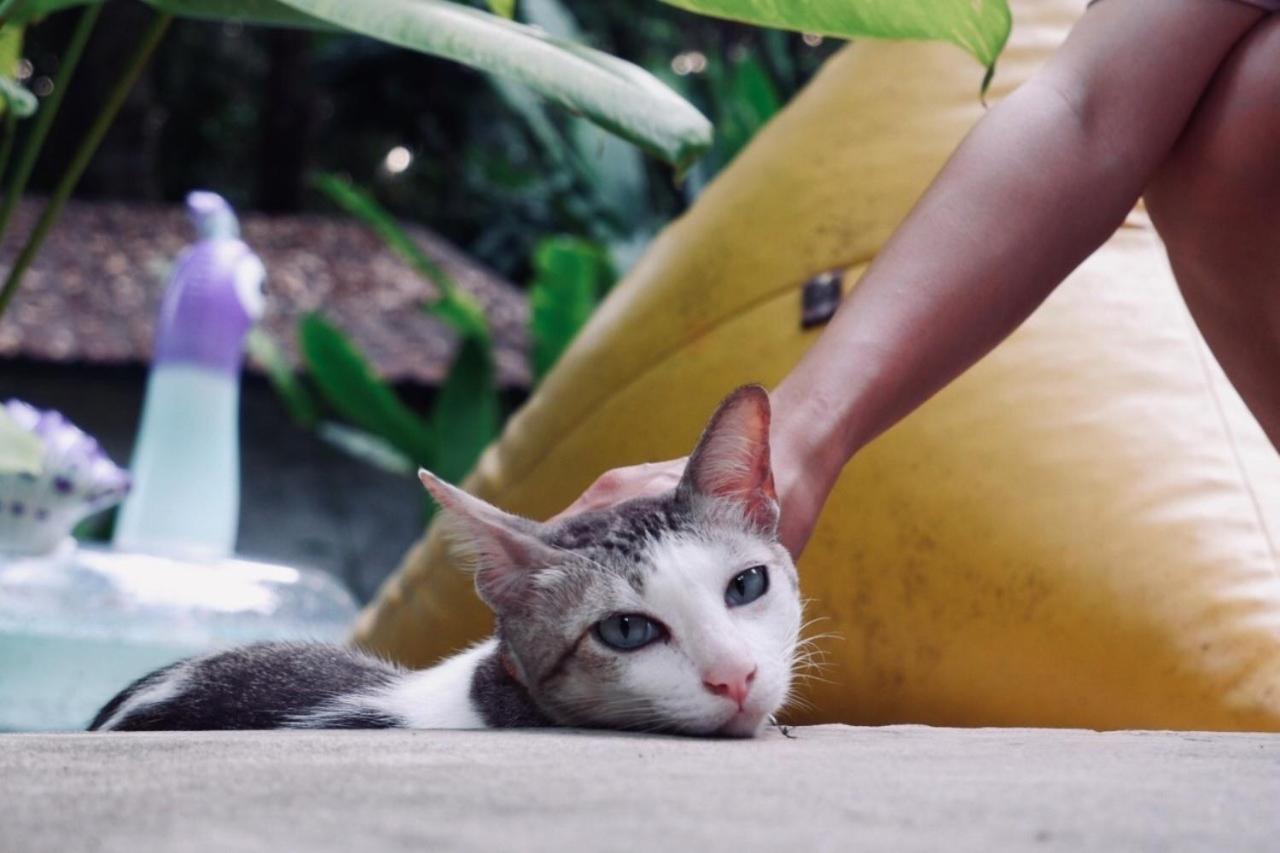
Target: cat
<point x="679" y="614"/>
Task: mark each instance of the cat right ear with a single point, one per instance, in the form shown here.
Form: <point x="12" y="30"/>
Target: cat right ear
<point x="731" y="461"/>
<point x="504" y="549"/>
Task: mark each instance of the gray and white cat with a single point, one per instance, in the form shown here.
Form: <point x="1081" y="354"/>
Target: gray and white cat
<point x="679" y="613"/>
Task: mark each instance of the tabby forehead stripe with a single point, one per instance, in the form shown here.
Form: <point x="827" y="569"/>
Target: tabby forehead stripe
<point x="558" y="667"/>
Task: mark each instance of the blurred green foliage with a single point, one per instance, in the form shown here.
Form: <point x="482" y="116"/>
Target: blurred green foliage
<point x="613" y="93"/>
<point x="338" y="393"/>
<point x="547" y="195"/>
<point x="543" y="194"/>
<point x="351" y="388"/>
<point x="453" y="306"/>
<point x="570" y="275"/>
<point x="361" y="414"/>
<point x="979" y="26"/>
<point x="251" y="112"/>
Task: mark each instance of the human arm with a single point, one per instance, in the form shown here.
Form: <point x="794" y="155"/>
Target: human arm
<point x="1041" y="181"/>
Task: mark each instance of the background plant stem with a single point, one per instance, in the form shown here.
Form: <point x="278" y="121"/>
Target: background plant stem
<point x="84" y="153"/>
<point x="44" y="119"/>
<point x="6" y="144"/>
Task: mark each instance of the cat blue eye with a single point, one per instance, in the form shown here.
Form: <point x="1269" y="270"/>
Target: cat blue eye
<point x="628" y="631"/>
<point x="747" y="586"/>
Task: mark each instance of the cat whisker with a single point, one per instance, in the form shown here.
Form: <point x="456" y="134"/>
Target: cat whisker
<point x="812" y="653"/>
<point x="795" y="703"/>
<point x="811" y="658"/>
<point x="810" y="670"/>
<point x="814" y="639"/>
<point x="810" y="678"/>
<point x="814" y="621"/>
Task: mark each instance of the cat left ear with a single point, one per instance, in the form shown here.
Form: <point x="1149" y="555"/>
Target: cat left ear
<point x="731" y="461"/>
<point x="505" y="549"/>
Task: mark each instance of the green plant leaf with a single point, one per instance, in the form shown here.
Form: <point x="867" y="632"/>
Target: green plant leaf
<point x="366" y="447"/>
<point x="99" y="527"/>
<point x="615" y="94"/>
<point x="11" y="37"/>
<point x="505" y="8"/>
<point x="16" y="97"/>
<point x="346" y="381"/>
<point x="979" y="26"/>
<point x="554" y="17"/>
<point x="25" y="11"/>
<point x="754" y="93"/>
<point x="533" y="110"/>
<point x="556" y="21"/>
<point x="466" y="413"/>
<point x="745" y="101"/>
<point x="266" y="353"/>
<point x="18" y="102"/>
<point x="259" y="12"/>
<point x="269" y="13"/>
<point x="609" y="171"/>
<point x="20" y="451"/>
<point x="455" y="306"/>
<point x="568" y="273"/>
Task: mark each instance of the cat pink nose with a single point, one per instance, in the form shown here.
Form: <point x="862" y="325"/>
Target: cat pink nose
<point x="730" y="684"/>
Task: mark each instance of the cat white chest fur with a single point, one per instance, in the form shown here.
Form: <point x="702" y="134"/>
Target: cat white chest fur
<point x="439" y="697"/>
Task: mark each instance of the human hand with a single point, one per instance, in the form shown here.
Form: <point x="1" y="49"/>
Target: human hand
<point x="801" y="492"/>
<point x="649" y="479"/>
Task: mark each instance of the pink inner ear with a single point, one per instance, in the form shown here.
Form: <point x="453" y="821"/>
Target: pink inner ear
<point x="727" y="470"/>
<point x="752" y="488"/>
<point x="732" y="459"/>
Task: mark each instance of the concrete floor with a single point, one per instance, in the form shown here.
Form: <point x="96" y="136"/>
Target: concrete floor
<point x="829" y="788"/>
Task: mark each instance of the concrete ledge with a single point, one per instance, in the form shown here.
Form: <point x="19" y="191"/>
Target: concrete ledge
<point x="830" y="788"/>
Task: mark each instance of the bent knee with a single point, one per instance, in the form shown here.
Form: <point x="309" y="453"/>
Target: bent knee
<point x="1225" y="168"/>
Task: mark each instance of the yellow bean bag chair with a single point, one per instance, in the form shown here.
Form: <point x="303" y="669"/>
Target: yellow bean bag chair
<point x="1079" y="532"/>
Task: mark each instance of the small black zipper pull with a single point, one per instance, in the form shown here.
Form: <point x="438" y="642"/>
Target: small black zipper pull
<point x="821" y="298"/>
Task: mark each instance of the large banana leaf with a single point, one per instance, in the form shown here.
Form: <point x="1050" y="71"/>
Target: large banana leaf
<point x="979" y="26"/>
<point x="609" y="169"/>
<point x="615" y="94"/>
<point x="260" y="12"/>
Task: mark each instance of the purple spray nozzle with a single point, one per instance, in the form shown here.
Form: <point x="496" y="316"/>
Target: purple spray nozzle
<point x="215" y="293"/>
<point x="211" y="215"/>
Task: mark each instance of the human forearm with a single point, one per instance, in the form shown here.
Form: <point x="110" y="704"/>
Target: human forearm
<point x="1041" y="181"/>
<point x="980" y="251"/>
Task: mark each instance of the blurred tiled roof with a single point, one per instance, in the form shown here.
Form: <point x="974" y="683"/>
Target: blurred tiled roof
<point x="92" y="294"/>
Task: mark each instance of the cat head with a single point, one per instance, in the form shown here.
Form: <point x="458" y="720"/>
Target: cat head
<point x="677" y="613"/>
